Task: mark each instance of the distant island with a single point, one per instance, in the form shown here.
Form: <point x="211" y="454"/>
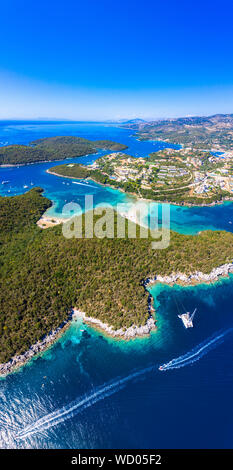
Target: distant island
<point x="184" y="176"/>
<point x="54" y="148"/>
<point x="200" y="132"/>
<point x="45" y="275"/>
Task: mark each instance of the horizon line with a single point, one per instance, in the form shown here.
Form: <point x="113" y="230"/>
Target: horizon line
<point x="120" y="120"/>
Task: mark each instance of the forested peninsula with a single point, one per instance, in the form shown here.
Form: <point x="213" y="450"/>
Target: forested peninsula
<point x="44" y="275"/>
<point x="54" y="148"/>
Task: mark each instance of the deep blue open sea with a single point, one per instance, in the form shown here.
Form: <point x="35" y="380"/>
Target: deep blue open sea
<point x="90" y="391"/>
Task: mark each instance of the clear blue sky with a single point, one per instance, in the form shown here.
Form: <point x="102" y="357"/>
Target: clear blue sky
<point x="99" y="59"/>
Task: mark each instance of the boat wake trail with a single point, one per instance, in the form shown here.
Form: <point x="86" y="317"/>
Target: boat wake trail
<point x="83" y="184"/>
<point x="196" y="353"/>
<point x="110" y="388"/>
<point x="78" y="405"/>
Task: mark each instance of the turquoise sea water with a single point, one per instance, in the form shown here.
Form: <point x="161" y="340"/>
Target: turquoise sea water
<point x="90" y="391"/>
<point x="60" y="191"/>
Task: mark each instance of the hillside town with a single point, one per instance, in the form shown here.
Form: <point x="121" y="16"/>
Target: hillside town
<point x="199" y="172"/>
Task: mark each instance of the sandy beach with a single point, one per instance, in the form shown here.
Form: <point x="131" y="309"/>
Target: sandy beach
<point x="46" y="221"/>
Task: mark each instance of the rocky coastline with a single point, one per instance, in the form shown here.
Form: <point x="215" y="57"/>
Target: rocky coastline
<point x="125" y="333"/>
<point x="194" y="278"/>
<point x="19" y="360"/>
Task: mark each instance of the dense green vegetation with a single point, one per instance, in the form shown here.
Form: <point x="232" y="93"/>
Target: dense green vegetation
<point x="74" y="171"/>
<point x="109" y="145"/>
<point x="53" y="148"/>
<point x="182" y="197"/>
<point x="43" y="274"/>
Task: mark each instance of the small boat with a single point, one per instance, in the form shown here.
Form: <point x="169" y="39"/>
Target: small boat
<point x="5" y="182"/>
<point x="25" y="186"/>
<point x="187" y="318"/>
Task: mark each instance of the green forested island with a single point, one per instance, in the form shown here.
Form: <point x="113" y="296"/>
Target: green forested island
<point x="53" y="148"/>
<point x="44" y="274"/>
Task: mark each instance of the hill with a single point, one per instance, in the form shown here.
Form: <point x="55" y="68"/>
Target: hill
<point x="198" y="131"/>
